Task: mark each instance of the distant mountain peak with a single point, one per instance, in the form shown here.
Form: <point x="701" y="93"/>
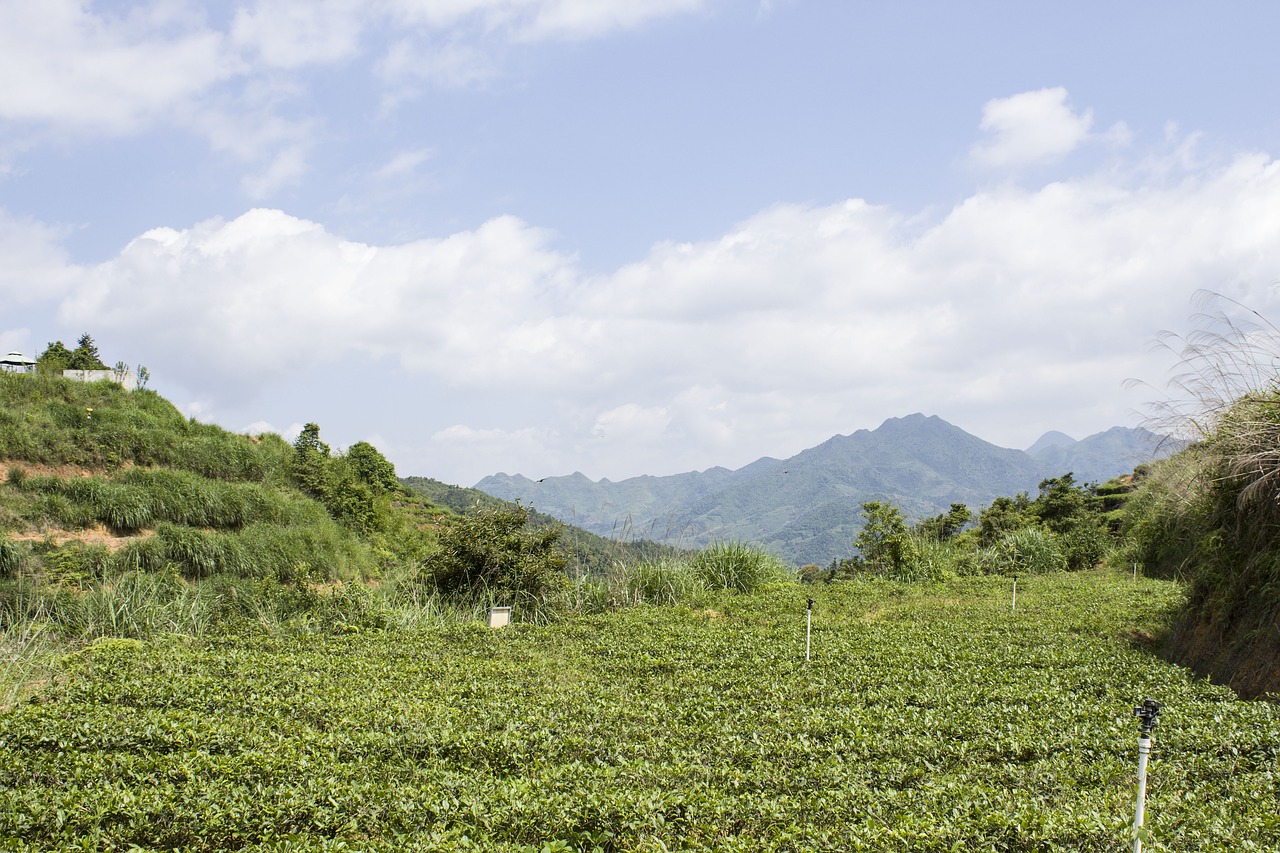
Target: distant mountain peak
<point x="1052" y="440"/>
<point x="921" y="463"/>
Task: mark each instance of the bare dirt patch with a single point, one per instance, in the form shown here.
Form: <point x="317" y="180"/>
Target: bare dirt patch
<point x="35" y="469"/>
<point x="96" y="535"/>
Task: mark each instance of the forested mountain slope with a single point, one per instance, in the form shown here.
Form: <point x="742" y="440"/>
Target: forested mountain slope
<point x="808" y="508"/>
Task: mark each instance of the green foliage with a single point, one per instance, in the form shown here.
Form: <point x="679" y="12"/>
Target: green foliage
<point x="55" y="359"/>
<point x="1208" y="516"/>
<point x="85" y="356"/>
<point x="45" y="419"/>
<point x="1026" y="551"/>
<point x="1002" y="517"/>
<point x="371" y="467"/>
<point x="737" y="566"/>
<point x="496" y="551"/>
<point x="1063" y="529"/>
<point x="355" y="488"/>
<point x="883" y="542"/>
<point x="588" y="553"/>
<point x="310" y="456"/>
<point x="662" y="582"/>
<point x="919" y="724"/>
<point x="1212" y="514"/>
<point x="1073" y="514"/>
<point x="945" y="526"/>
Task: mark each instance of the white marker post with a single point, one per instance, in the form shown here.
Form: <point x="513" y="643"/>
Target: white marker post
<point x="1149" y="713"/>
<point x="808" y="628"/>
<point x="1014" y="606"/>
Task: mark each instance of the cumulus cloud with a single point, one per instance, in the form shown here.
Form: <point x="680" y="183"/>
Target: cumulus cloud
<point x="34" y="267"/>
<point x="1029" y="128"/>
<point x="1017" y="311"/>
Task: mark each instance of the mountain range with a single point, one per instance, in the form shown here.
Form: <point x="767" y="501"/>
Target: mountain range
<point x="808" y="508"/>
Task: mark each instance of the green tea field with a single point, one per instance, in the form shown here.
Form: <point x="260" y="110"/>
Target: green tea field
<point x="930" y="717"/>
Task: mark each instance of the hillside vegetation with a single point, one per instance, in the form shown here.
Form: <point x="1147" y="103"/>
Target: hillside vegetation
<point x="119" y="516"/>
<point x="212" y="641"/>
<point x="1210" y="516"/>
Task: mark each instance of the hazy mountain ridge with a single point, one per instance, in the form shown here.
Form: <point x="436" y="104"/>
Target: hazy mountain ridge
<point x="808" y="508"/>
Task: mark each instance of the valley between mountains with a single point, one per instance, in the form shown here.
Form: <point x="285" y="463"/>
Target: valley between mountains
<point x="807" y="508"/>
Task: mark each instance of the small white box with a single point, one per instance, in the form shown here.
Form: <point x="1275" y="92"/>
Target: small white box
<point x="499" y="617"/>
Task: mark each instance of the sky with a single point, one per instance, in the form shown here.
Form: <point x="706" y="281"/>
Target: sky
<point x="621" y="238"/>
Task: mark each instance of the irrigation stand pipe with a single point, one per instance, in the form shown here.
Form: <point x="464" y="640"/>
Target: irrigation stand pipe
<point x="808" y="628"/>
<point x="1149" y="713"/>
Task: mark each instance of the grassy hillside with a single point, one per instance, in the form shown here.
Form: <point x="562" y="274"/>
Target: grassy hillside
<point x="129" y="471"/>
<point x="929" y="718"/>
<point x="119" y="517"/>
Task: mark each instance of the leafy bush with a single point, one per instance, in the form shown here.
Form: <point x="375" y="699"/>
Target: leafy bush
<point x="497" y="551"/>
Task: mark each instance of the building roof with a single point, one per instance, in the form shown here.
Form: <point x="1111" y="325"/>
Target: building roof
<point x="17" y="359"/>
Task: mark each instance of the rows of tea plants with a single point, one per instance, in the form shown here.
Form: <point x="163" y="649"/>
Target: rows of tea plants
<point x="930" y="717"/>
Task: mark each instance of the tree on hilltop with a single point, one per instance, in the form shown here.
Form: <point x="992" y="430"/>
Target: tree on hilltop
<point x="57" y="358"/>
<point x="85" y="356"/>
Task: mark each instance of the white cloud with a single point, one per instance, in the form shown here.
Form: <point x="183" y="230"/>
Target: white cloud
<point x="77" y="67"/>
<point x="532" y="20"/>
<point x="403" y="164"/>
<point x="287" y="34"/>
<point x="449" y="64"/>
<point x="100" y="72"/>
<point x="286" y="168"/>
<point x="580" y="19"/>
<point x="1029" y="128"/>
<point x="34" y="267"/>
<point x="1017" y="311"/>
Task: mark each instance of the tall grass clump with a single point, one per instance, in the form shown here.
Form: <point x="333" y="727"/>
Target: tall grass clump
<point x="737" y="566"/>
<point x="934" y="559"/>
<point x="25" y="651"/>
<point x="1025" y="551"/>
<point x="664" y="581"/>
<point x="287" y="554"/>
<point x="137" y="605"/>
<point x="13" y="556"/>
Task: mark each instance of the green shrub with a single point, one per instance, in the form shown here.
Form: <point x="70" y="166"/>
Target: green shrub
<point x="495" y="551"/>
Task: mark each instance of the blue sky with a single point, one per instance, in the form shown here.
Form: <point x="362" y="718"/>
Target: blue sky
<point x="541" y="236"/>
